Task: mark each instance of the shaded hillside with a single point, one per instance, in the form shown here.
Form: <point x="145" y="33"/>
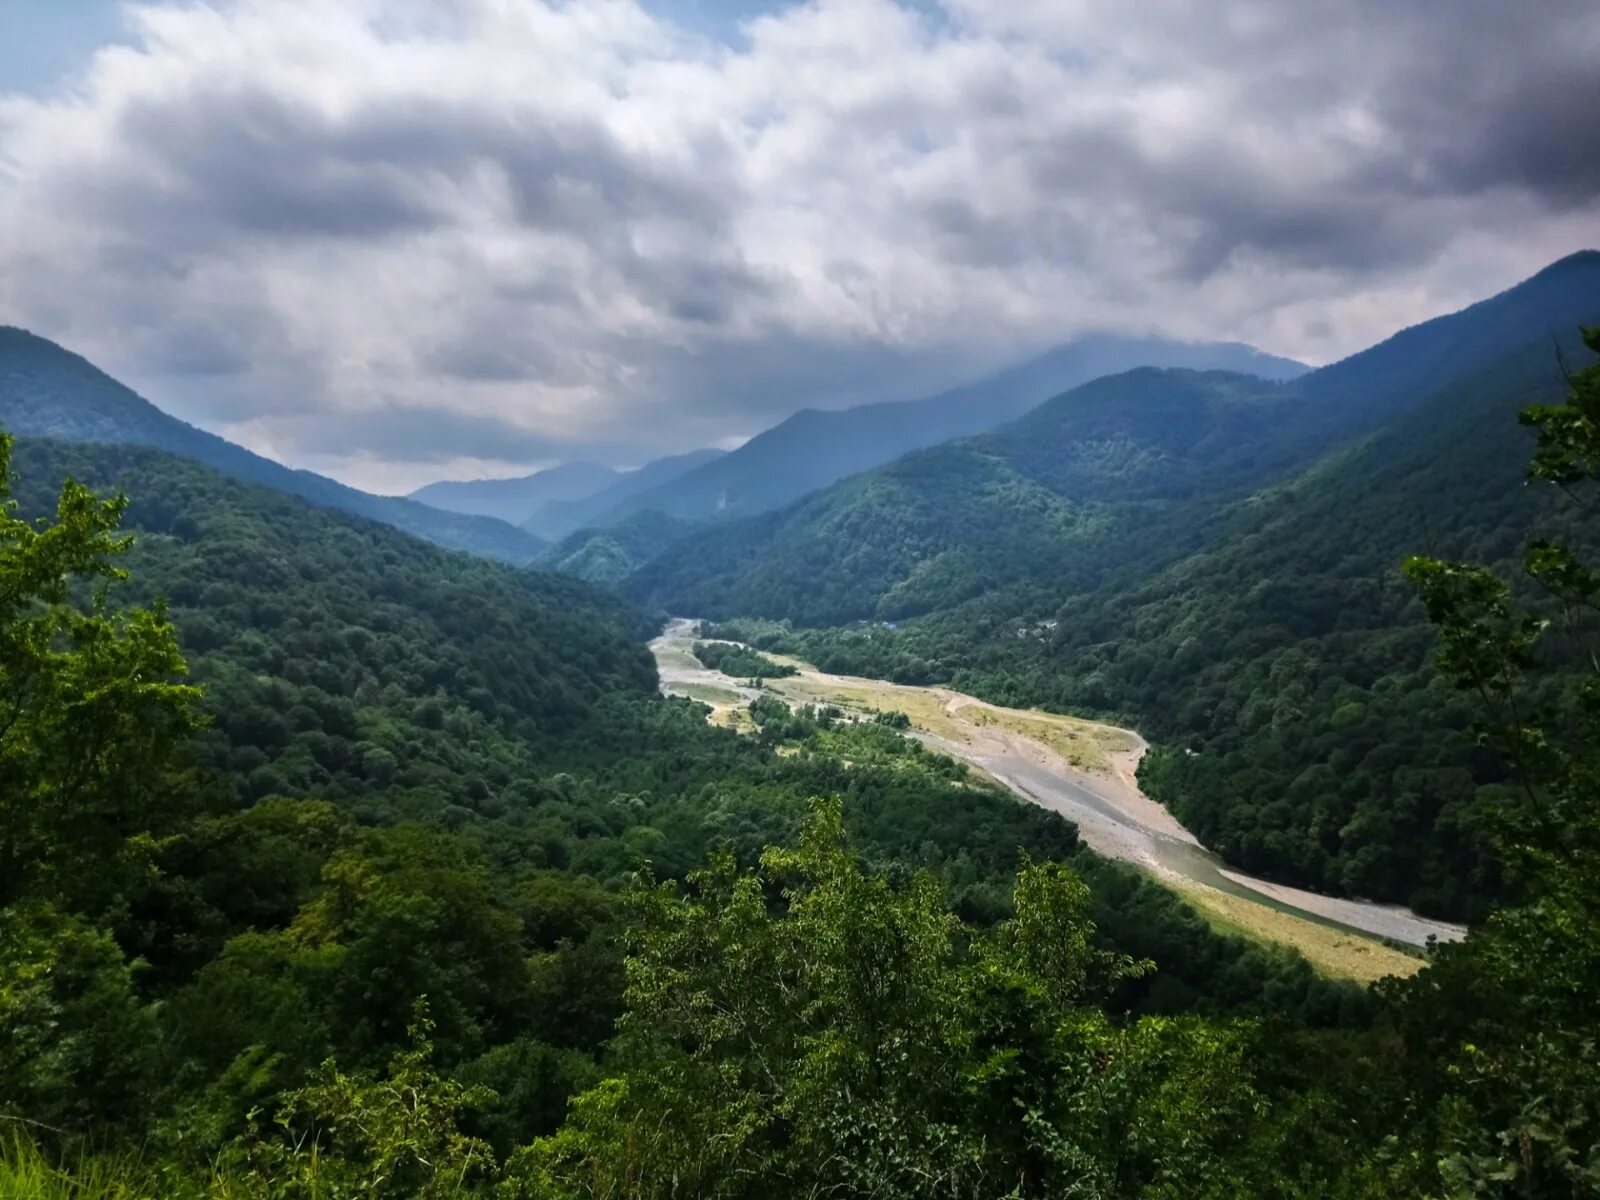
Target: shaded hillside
<point x="611" y="554"/>
<point x="814" y="448"/>
<point x="47" y="391"/>
<point x="558" y="518"/>
<point x="1113" y="473"/>
<point x="514" y="499"/>
<point x="1107" y="481"/>
<point x="343" y="658"/>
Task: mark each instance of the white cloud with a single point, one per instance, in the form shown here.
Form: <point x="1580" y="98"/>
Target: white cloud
<point x="387" y="237"/>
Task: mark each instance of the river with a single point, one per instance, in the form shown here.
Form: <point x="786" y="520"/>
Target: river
<point x="1083" y="770"/>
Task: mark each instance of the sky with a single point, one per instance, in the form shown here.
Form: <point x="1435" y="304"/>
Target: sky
<point x="403" y="240"/>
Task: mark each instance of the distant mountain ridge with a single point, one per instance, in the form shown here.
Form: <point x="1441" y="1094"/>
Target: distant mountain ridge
<point x="1088" y="483"/>
<point x="815" y="448"/>
<point x="48" y="391"/>
<point x="516" y="499"/>
<point x="557" y="518"/>
<point x="558" y="500"/>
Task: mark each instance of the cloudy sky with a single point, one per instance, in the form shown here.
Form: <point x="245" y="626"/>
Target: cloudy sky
<point x="399" y="240"/>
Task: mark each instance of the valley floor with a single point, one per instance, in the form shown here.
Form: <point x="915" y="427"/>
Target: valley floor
<point x="1086" y="771"/>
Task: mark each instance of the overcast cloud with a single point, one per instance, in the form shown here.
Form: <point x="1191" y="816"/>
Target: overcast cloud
<point x="396" y="240"/>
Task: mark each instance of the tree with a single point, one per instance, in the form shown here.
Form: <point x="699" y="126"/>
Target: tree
<point x="368" y="1136"/>
<point x="812" y="1029"/>
<point x="1506" y="1023"/>
<point x="92" y="716"/>
<point x="92" y="721"/>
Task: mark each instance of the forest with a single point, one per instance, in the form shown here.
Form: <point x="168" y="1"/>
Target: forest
<point x="337" y="865"/>
<point x="390" y="773"/>
<point x="1281" y="662"/>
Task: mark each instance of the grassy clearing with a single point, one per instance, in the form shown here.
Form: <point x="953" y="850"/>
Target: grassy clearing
<point x="924" y="708"/>
<point x="728" y="708"/>
<point x="1085" y="744"/>
<point x="26" y="1174"/>
<point x="1334" y="952"/>
<point x="707" y="693"/>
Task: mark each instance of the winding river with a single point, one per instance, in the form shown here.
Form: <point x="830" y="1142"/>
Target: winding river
<point x="1083" y="770"/>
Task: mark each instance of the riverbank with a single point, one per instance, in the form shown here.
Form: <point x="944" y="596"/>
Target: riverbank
<point x="1087" y="772"/>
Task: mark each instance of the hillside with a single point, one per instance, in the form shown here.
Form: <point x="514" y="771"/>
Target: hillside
<point x="815" y="448"/>
<point x="47" y="391"/>
<point x="427" y="775"/>
<point x="515" y="499"/>
<point x="557" y="518"/>
<point x="342" y="658"/>
<point x="611" y="554"/>
<point x="1218" y="563"/>
<point x="1064" y="499"/>
<point x="1111" y="479"/>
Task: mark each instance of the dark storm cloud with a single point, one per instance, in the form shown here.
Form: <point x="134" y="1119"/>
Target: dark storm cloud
<point x="549" y="230"/>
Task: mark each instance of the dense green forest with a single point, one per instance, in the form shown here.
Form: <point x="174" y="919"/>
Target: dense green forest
<point x="1261" y="636"/>
<point x="394" y="773"/>
<point x="48" y="392"/>
<point x="671" y="961"/>
<point x="611" y="554"/>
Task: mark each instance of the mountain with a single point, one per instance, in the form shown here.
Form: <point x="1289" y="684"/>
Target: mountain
<point x="814" y="448"/>
<point x="1109" y="479"/>
<point x="47" y="391"/>
<point x="514" y="499"/>
<point x="611" y="554"/>
<point x="558" y="518"/>
<point x="1216" y="560"/>
<point x="423" y="779"/>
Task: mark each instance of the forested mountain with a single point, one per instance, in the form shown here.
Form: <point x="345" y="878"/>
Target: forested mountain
<point x="1110" y="479"/>
<point x="47" y="391"/>
<point x="1144" y="546"/>
<point x="609" y="555"/>
<point x="815" y="448"/>
<point x="1083" y="488"/>
<point x="423" y="778"/>
<point x="515" y="499"/>
<point x="447" y="903"/>
<point x="558" y="518"/>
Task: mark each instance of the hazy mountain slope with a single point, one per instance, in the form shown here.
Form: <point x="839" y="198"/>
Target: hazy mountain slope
<point x="813" y="448"/>
<point x="47" y="391"/>
<point x="1111" y="479"/>
<point x="611" y="554"/>
<point x="944" y="524"/>
<point x="515" y="499"/>
<point x="557" y="518"/>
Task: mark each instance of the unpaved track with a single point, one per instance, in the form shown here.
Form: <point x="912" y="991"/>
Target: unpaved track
<point x="1026" y="751"/>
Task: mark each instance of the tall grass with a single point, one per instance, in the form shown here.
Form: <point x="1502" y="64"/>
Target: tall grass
<point x="27" y="1173"/>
